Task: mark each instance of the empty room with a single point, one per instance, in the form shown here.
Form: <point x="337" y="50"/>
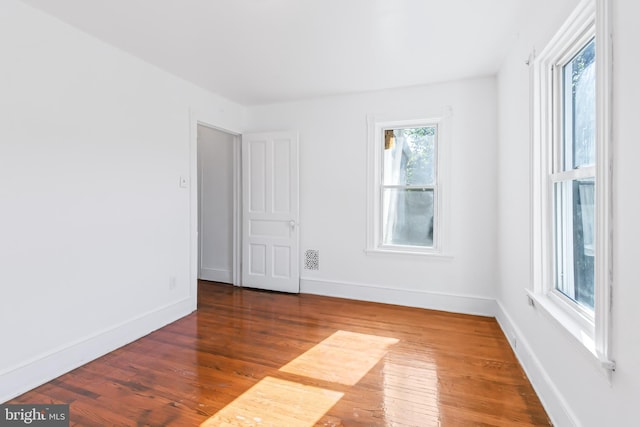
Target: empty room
<point x="319" y="213"/>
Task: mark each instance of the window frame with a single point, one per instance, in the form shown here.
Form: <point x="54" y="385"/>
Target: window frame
<point x="590" y="20"/>
<point x="375" y="148"/>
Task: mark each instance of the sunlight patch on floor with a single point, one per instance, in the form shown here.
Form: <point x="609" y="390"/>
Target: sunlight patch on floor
<point x="276" y="402"/>
<point x="344" y="357"/>
<point x="410" y="392"/>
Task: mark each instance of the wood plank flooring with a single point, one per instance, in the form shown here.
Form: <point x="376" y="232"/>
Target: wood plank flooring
<point x="253" y="358"/>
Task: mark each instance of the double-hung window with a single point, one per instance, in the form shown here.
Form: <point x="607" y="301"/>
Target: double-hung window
<point x="573" y="174"/>
<point x="571" y="185"/>
<point x="409" y="186"/>
<point x="405" y="185"/>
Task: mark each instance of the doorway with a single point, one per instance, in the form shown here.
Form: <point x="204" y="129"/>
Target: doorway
<point x="268" y="258"/>
<point x="217" y="154"/>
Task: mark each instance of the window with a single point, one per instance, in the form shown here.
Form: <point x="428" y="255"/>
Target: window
<point x="405" y="186"/>
<point x="573" y="175"/>
<point x="408" y="186"/>
<point x="571" y="186"/>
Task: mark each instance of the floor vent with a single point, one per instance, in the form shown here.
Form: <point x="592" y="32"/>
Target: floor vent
<point x="312" y="259"/>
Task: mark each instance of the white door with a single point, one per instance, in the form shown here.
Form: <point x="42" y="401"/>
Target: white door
<point x="270" y="232"/>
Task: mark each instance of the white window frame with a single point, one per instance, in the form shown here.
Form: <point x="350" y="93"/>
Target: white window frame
<point x="375" y="145"/>
<point x="591" y="18"/>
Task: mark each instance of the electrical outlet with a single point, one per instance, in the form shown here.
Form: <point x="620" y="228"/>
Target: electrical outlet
<point x="172" y="283"/>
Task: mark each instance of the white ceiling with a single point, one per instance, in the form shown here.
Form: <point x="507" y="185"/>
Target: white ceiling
<point x="266" y="51"/>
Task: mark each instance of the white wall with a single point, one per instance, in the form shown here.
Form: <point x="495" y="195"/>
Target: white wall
<point x="333" y="205"/>
<point x="94" y="229"/>
<point x="571" y="385"/>
<point x="215" y="195"/>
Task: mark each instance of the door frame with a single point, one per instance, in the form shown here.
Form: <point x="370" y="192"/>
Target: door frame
<point x="235" y="205"/>
<point x="196" y="120"/>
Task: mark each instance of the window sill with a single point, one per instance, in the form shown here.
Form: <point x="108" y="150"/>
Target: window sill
<point x="571" y="326"/>
<point x="408" y="252"/>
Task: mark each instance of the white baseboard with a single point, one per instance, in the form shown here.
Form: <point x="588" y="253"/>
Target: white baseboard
<point x="216" y="275"/>
<point x="46" y="367"/>
<point x="465" y="304"/>
<point x="553" y="402"/>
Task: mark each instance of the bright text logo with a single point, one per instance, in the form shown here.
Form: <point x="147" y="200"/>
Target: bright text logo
<point x="34" y="415"/>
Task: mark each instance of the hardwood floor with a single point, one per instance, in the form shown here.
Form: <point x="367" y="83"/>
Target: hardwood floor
<point x="249" y="358"/>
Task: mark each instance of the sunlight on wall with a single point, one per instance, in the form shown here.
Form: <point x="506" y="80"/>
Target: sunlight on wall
<point x="344" y="357"/>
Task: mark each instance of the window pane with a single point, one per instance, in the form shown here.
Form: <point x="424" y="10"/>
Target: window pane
<point x="409" y="156"/>
<point x="407" y="217"/>
<point x="579" y="115"/>
<point x="575" y="231"/>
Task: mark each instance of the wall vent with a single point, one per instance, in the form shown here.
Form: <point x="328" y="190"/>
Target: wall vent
<point x="312" y="259"/>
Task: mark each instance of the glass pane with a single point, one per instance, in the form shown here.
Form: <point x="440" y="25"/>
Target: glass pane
<point x="409" y="156"/>
<point x="575" y="232"/>
<point x="407" y="217"/>
<point x="579" y="113"/>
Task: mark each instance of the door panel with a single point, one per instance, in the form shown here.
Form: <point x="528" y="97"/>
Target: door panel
<point x="270" y="211"/>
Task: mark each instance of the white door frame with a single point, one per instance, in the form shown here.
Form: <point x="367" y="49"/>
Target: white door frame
<point x="235" y="207"/>
<point x="195" y="121"/>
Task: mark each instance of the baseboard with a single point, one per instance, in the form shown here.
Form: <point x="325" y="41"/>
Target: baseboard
<point x="46" y="367"/>
<point x="465" y="304"/>
<point x="554" y="403"/>
<point x="216" y="275"/>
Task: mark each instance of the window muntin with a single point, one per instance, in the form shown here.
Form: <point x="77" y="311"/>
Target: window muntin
<point x="408" y="186"/>
<point x="573" y="176"/>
